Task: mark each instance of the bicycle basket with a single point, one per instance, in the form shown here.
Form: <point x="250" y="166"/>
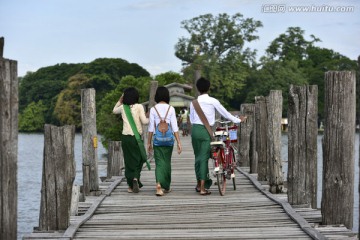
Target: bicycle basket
<point x="232" y="133"/>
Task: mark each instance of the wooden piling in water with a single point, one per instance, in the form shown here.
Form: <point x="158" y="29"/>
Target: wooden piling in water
<point x="247" y="153"/>
<point x="261" y="138"/>
<point x="302" y="145"/>
<point x="89" y="141"/>
<point x="2" y="42"/>
<point x="338" y="149"/>
<point x="359" y="151"/>
<point x="57" y="178"/>
<point x="115" y="159"/>
<point x="8" y="146"/>
<point x="274" y="109"/>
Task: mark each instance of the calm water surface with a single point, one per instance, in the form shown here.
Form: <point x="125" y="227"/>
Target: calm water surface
<point x="30" y="160"/>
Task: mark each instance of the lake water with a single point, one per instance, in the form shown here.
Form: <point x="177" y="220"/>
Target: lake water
<point x="30" y="159"/>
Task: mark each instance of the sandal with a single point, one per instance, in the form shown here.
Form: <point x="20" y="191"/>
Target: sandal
<point x="207" y="192"/>
<point x="167" y="190"/>
<point x="197" y="189"/>
<point x="130" y="190"/>
<point x="159" y="193"/>
<point x="135" y="186"/>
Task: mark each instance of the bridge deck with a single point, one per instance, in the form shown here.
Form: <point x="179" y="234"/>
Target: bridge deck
<point x="246" y="213"/>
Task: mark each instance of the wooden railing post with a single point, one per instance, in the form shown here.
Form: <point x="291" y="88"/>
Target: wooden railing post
<point x="274" y="109"/>
<point x="57" y="178"/>
<point x="247" y="153"/>
<point x="302" y="145"/>
<point x="8" y="146"/>
<point x="89" y="141"/>
<point x="261" y="138"/>
<point x="115" y="159"/>
<point x="338" y="149"/>
<point x="2" y="42"/>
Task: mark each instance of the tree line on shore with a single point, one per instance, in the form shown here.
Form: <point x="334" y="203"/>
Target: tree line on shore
<point x="215" y="47"/>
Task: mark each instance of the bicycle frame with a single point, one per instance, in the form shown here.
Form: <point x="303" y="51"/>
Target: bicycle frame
<point x="223" y="155"/>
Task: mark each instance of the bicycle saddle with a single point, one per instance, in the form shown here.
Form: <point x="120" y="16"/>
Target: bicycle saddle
<point x="220" y="133"/>
<point x="217" y="144"/>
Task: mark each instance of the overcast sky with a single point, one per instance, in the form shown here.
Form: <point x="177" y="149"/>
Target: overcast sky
<point x="40" y="33"/>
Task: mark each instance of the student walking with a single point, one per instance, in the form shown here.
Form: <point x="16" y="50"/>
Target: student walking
<point x="200" y="137"/>
<point x="163" y="130"/>
<point x="128" y="106"/>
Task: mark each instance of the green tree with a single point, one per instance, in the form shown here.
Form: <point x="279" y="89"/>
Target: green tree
<point x="216" y="46"/>
<point x="59" y="86"/>
<point x="68" y="105"/>
<point x="45" y="84"/>
<point x="215" y="37"/>
<point x="274" y="75"/>
<point x="169" y="77"/>
<point x="291" y="45"/>
<point x="33" y="118"/>
<point x="321" y="60"/>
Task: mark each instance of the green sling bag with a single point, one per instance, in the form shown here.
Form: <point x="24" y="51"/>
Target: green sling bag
<point x="137" y="135"/>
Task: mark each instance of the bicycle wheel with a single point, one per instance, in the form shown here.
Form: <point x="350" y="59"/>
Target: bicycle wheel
<point x="232" y="163"/>
<point x="220" y="175"/>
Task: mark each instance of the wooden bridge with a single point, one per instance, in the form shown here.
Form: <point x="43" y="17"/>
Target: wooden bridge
<point x="250" y="212"/>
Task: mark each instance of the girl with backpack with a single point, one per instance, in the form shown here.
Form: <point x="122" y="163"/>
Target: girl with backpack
<point x="133" y="115"/>
<point x="163" y="130"/>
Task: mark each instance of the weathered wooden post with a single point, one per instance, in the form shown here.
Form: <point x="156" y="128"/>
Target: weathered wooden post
<point x="153" y="87"/>
<point x="359" y="152"/>
<point x="274" y="109"/>
<point x="247" y="153"/>
<point x="89" y="141"/>
<point x="115" y="159"/>
<point x="8" y="146"/>
<point x="261" y="138"/>
<point x="152" y="91"/>
<point x="338" y="149"/>
<point x="57" y="178"/>
<point x="302" y="145"/>
<point x="2" y="42"/>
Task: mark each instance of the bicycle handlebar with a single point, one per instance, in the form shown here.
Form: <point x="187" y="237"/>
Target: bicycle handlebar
<point x="223" y="122"/>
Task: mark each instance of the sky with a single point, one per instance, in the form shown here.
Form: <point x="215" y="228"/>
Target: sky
<point x="40" y="33"/>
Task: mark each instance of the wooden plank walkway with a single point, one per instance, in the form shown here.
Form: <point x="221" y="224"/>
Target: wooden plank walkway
<point x="246" y="213"/>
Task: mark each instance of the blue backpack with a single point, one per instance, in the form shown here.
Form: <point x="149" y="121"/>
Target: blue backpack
<point x="163" y="135"/>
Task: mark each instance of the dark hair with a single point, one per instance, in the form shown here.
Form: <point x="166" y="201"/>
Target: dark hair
<point x="162" y="95"/>
<point x="131" y="96"/>
<point x="203" y="85"/>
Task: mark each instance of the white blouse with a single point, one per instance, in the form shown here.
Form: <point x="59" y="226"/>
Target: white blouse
<point x="138" y="113"/>
<point x="209" y="105"/>
<point x="162" y="109"/>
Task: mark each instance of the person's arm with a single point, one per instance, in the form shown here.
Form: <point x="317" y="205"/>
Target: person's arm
<point x="117" y="108"/>
<point x="149" y="142"/>
<point x="175" y="128"/>
<point x="179" y="147"/>
<point x="151" y="130"/>
<point x="173" y="120"/>
<point x="220" y="108"/>
<point x="143" y="118"/>
<point x="191" y="113"/>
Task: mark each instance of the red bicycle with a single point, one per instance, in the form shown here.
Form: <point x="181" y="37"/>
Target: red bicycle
<point x="223" y="154"/>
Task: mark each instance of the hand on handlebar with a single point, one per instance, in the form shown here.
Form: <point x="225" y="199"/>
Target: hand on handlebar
<point x="243" y="118"/>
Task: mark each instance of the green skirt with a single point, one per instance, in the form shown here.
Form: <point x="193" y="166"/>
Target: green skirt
<point x="200" y="140"/>
<point x="132" y="159"/>
<point x="162" y="156"/>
